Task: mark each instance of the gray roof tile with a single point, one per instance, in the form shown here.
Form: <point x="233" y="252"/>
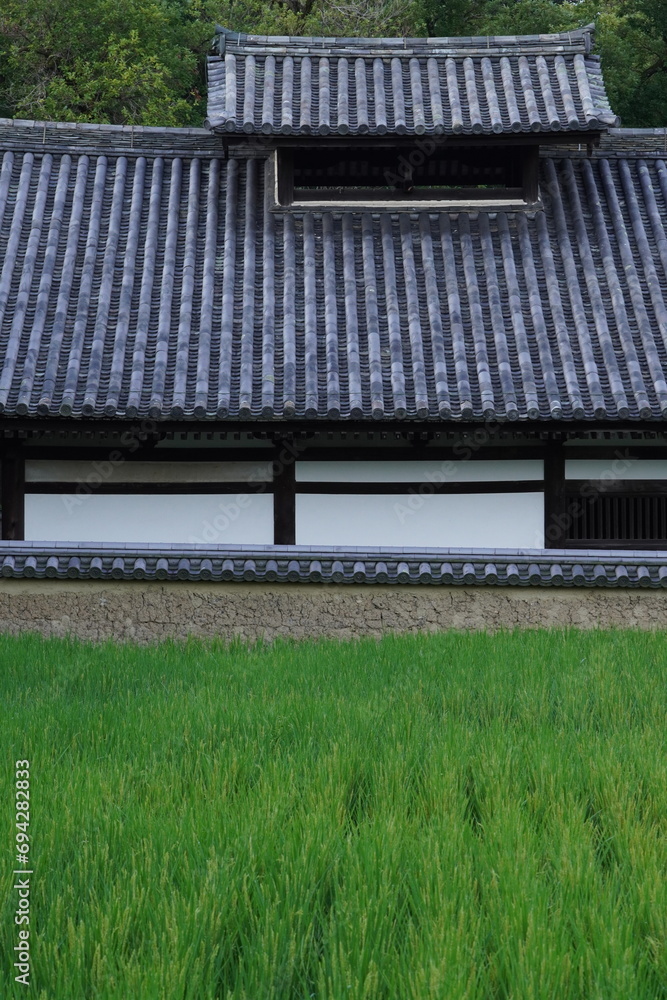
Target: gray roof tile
<point x="374" y="86"/>
<point x="134" y="283"/>
<point x="301" y="564"/>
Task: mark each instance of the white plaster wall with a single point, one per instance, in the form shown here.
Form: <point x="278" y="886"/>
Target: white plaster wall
<point x="615" y="468"/>
<point x="444" y="471"/>
<point x="139" y="518"/>
<point x="490" y="520"/>
<point x="105" y="471"/>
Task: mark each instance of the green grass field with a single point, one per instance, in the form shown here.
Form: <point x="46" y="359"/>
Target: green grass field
<point x="449" y="817"/>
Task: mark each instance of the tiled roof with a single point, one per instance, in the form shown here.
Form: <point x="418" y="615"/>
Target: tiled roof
<point x="299" y="564"/>
<point x="406" y="86"/>
<point x="135" y="281"/>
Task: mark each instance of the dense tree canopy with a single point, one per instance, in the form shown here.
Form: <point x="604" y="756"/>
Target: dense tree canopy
<point x="142" y="61"/>
<point x="119" y="61"/>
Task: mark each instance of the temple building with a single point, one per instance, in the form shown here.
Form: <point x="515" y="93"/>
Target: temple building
<point x="398" y="313"/>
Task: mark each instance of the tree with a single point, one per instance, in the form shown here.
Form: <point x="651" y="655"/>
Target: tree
<point x="118" y="61"/>
<point x="649" y="96"/>
<point x="322" y="17"/>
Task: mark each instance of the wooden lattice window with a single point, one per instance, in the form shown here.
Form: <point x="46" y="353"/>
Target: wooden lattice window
<point x="438" y="172"/>
<point x="618" y="519"/>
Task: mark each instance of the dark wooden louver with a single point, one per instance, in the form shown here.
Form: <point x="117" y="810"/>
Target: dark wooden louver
<point x="618" y="520"/>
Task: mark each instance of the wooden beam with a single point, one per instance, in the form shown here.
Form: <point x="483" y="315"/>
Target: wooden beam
<point x="404" y="452"/>
<point x="279" y="429"/>
<point x="13" y="495"/>
<point x="556" y="517"/>
<point x="400" y="488"/>
<point x="284" y="497"/>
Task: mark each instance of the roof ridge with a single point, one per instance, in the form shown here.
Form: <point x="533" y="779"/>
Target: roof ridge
<point x="136" y="130"/>
<point x="105" y="137"/>
<point x="580" y="40"/>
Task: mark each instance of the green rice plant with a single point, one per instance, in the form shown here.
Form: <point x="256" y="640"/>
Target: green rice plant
<point x="456" y="817"/>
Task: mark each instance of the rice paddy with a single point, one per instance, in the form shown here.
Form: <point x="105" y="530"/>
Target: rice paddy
<point x="465" y="817"/>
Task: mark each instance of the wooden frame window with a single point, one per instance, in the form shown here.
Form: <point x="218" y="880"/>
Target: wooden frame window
<point x="420" y="173"/>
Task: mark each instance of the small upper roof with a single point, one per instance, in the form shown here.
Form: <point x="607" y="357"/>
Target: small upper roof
<point x="407" y="86"/>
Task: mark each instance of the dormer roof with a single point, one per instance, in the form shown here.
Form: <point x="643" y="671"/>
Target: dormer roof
<point x="275" y="85"/>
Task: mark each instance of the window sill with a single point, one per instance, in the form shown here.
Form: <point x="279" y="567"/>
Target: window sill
<point x="450" y="206"/>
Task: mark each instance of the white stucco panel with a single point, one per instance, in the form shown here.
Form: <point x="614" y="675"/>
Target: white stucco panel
<point x="181" y="519"/>
<point x="444" y="471"/>
<point x="123" y="471"/>
<point x="490" y="520"/>
<point x="610" y="469"/>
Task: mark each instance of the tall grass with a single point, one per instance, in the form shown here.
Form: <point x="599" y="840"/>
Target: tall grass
<point x="459" y="816"/>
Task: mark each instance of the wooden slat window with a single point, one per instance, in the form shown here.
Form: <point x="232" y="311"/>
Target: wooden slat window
<point x="399" y="173"/>
<point x="617" y="519"/>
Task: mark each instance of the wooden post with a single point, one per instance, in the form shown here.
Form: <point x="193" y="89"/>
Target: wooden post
<point x="13" y="495"/>
<point x="531" y="175"/>
<point x="556" y="521"/>
<point x="284" y="162"/>
<point x="284" y="495"/>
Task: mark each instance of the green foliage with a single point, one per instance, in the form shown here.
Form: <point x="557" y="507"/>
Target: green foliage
<point x="649" y="103"/>
<point x="118" y="61"/>
<point x="456" y="816"/>
<point x="387" y="18"/>
<point x="142" y="61"/>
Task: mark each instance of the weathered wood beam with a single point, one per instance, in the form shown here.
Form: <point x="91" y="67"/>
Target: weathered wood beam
<point x="12" y="494"/>
<point x="555" y="513"/>
<point x="284" y="497"/>
<point x="531" y="172"/>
